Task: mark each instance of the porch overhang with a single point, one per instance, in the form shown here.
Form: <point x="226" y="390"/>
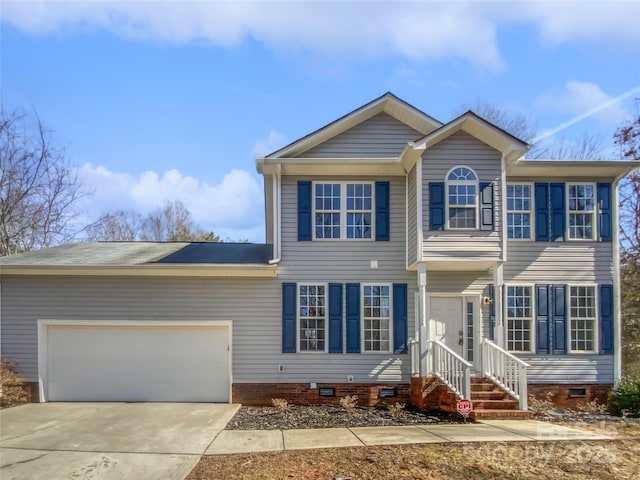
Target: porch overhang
<point x="457" y="265"/>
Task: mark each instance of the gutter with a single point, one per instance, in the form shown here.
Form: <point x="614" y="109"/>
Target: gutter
<point x="277" y="224"/>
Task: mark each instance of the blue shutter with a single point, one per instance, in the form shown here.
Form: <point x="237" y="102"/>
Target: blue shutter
<point x="606" y="319"/>
<point x="353" y="317"/>
<point x="492" y="311"/>
<point x="289" y="317"/>
<point x="557" y="211"/>
<point x="382" y="211"/>
<point x="436" y="205"/>
<point x="400" y="328"/>
<point x="486" y="206"/>
<point x="304" y="210"/>
<point x="604" y="216"/>
<point x="335" y="318"/>
<point x="559" y="319"/>
<point x="542" y="211"/>
<point x="542" y="319"/>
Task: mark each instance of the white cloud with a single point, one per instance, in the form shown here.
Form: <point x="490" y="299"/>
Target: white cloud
<point x="274" y="141"/>
<point x="428" y="30"/>
<point x="234" y="208"/>
<point x="581" y="99"/>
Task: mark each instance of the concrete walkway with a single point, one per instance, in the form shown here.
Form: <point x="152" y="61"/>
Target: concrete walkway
<point x="243" y="441"/>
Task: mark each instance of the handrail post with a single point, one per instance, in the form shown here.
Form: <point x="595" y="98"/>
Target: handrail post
<point x="467" y="382"/>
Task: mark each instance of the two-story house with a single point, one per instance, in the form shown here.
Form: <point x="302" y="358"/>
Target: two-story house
<point x="403" y="256"/>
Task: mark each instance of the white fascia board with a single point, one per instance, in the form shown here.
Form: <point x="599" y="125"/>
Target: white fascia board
<point x="155" y="270"/>
<point x="335" y="166"/>
<point x="572" y="168"/>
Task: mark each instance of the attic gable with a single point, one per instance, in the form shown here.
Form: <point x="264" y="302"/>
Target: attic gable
<point x="389" y="104"/>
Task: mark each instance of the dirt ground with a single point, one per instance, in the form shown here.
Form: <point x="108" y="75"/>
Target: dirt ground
<point x="616" y="459"/>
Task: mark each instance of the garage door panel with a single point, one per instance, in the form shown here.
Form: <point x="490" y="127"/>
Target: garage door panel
<point x="138" y="363"/>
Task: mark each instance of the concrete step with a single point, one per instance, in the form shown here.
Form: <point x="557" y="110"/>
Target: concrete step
<point x="497" y="414"/>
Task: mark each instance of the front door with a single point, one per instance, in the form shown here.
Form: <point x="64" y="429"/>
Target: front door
<point x="446" y="322"/>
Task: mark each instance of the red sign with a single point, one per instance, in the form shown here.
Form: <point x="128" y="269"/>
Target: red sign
<point x="464" y="407"/>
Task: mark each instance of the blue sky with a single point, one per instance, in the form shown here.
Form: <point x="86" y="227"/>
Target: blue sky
<point x="157" y="101"/>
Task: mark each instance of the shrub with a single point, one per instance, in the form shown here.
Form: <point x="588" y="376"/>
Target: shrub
<point x="593" y="407"/>
<point x="280" y="403"/>
<point x="541" y="406"/>
<point x="625" y="398"/>
<point x="396" y="408"/>
<point x="12" y="391"/>
<point x="348" y="402"/>
<point x="381" y="405"/>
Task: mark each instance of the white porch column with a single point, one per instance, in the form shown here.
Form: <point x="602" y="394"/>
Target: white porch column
<point x="423" y="327"/>
<point x="498" y="280"/>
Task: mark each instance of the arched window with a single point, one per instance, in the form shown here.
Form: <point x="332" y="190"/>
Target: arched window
<point x="462" y="198"/>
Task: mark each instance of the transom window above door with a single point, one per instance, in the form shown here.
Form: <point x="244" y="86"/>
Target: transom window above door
<point x="343" y="210"/>
<point x="462" y="198"/>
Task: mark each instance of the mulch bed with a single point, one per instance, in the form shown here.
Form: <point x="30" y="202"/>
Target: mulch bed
<point x="331" y="416"/>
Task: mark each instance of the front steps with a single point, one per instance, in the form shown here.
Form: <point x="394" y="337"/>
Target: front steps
<point x="490" y="402"/>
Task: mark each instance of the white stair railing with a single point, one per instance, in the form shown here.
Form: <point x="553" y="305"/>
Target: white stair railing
<point x="452" y="369"/>
<point x="506" y="370"/>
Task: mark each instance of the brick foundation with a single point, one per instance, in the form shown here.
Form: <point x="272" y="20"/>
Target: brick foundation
<point x="302" y="393"/>
<point x="428" y="393"/>
<point x="560" y="393"/>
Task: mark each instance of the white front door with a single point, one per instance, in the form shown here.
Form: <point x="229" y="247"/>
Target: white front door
<point x="447" y="322"/>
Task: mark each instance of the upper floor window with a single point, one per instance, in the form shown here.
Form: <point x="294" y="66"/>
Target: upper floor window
<point x="519" y="211"/>
<point x="377" y="318"/>
<point x="343" y="210"/>
<point x="312" y="317"/>
<point x="462" y="198"/>
<point x="581" y="211"/>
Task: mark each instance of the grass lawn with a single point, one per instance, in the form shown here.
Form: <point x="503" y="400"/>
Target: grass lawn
<point x="615" y="459"/>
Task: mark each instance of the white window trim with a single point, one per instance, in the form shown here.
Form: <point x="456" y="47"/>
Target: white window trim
<point x="530" y="211"/>
<point x="594" y="213"/>
<point x="343" y="209"/>
<point x="448" y="182"/>
<point x="326" y="317"/>
<point x="362" y="317"/>
<point x="534" y="338"/>
<point x="596" y="321"/>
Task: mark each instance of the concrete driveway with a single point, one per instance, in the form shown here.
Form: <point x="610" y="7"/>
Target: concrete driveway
<point x="103" y="441"/>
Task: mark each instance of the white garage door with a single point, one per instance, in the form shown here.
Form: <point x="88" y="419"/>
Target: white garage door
<point x="137" y="363"/>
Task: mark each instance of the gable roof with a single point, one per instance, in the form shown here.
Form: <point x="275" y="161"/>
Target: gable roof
<point x="511" y="146"/>
<point x="387" y="103"/>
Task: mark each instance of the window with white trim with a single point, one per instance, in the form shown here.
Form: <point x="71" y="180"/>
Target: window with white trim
<point x="312" y="317"/>
<point x="519" y="319"/>
<point x="462" y="198"/>
<point x="343" y="210"/>
<point x="581" y="211"/>
<point x="582" y="318"/>
<point x="376" y="318"/>
<point x="519" y="211"/>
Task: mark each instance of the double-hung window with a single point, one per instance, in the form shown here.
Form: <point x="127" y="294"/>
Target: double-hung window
<point x="581" y="211"/>
<point x="519" y="319"/>
<point x="312" y="317"/>
<point x="376" y="317"/>
<point x="343" y="210"/>
<point x="462" y="198"/>
<point x="519" y="211"/>
<point x="582" y="318"/>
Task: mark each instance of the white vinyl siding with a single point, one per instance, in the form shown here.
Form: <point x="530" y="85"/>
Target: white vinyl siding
<point x="380" y="136"/>
<point x="412" y="217"/>
<point x="567" y="369"/>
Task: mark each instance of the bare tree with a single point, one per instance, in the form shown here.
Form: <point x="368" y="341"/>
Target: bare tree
<point x="38" y="189"/>
<point x="587" y="147"/>
<point x="627" y="138"/>
<point x="173" y="223"/>
<point x="116" y="226"/>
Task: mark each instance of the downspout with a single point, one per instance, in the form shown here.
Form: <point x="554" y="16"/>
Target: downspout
<point x="276" y="186"/>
